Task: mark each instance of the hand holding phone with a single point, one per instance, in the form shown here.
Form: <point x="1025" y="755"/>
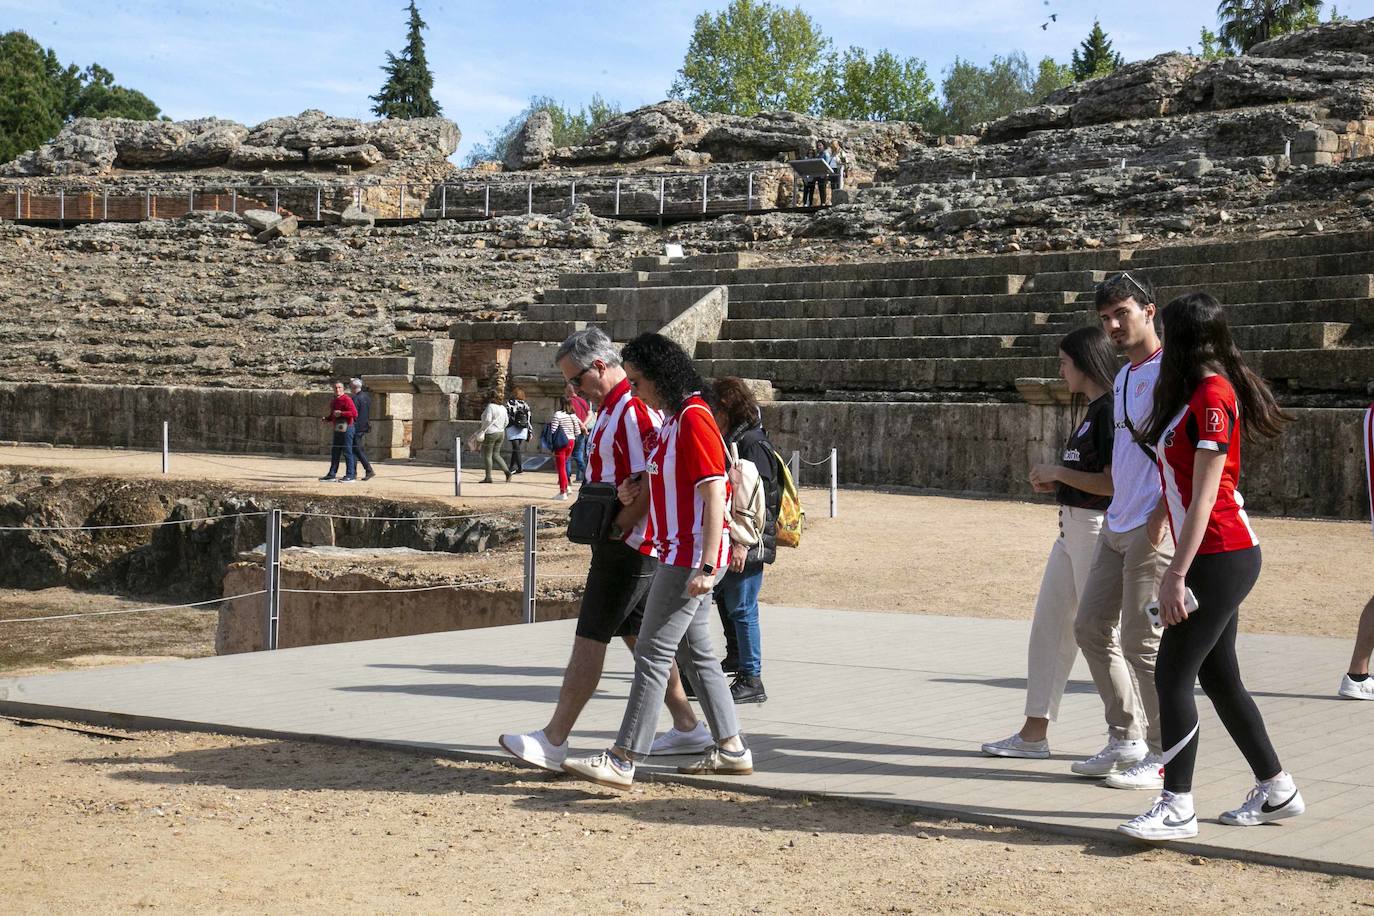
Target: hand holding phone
<point x="1189" y="605"/>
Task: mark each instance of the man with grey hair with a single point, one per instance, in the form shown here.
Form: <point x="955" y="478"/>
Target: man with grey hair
<point x="622" y="566"/>
<point x="363" y="401"/>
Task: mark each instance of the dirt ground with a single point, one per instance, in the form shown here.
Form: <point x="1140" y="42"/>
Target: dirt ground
<point x="184" y="822"/>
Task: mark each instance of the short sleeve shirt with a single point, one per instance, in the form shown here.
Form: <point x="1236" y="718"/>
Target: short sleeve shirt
<point x="1088" y="449"/>
<point x="688" y="451"/>
<point x="1135" y="479"/>
<point x="617" y="450"/>
<point x="1210" y="420"/>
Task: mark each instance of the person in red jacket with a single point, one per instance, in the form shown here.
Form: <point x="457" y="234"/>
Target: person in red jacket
<point x="343" y="414"/>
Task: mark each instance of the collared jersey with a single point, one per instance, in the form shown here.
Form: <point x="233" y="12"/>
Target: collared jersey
<point x="688" y="451"/>
<point x="1369" y="457"/>
<point x="1210" y="420"/>
<point x="1088" y="449"/>
<point x="1135" y="480"/>
<point x="617" y="449"/>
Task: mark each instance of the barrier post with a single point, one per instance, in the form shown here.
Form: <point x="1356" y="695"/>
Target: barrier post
<point x="574" y="194"/>
<point x="147" y="204"/>
<point x="318" y="209"/>
<point x="1123" y="165"/>
<point x="486" y="201"/>
<point x="1287" y="148"/>
<point x="165" y="444"/>
<point x="105" y="204"/>
<point x="276" y="199"/>
<point x="191" y="201"/>
<point x="401" y="202"/>
<point x="458" y="466"/>
<point x="234" y="200"/>
<point x="660" y="195"/>
<point x="529" y="199"/>
<point x="272" y="561"/>
<point x="749" y="194"/>
<point x="794" y="467"/>
<point x="531" y="527"/>
<point x="617" y="197"/>
<point x="443" y="201"/>
<point x="61" y="207"/>
<point x="704" y="179"/>
<point x="834" y="483"/>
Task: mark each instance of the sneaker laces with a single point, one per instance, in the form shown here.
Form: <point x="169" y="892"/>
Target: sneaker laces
<point x="1257" y="796"/>
<point x="1157" y="808"/>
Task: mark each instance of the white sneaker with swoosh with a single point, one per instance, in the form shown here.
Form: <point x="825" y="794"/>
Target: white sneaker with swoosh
<point x="1171" y="817"/>
<point x="1274" y="800"/>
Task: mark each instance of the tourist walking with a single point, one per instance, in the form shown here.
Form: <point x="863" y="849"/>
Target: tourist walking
<point x="342" y="414"/>
<point x="622" y="565"/>
<point x="1207" y="400"/>
<point x="686" y="494"/>
<point x="1117" y="638"/>
<point x="582" y="409"/>
<point x="362" y="400"/>
<point x="518" y="427"/>
<point x="566" y="422"/>
<point x="1082" y="486"/>
<point x="492" y="433"/>
<point x="1356" y="684"/>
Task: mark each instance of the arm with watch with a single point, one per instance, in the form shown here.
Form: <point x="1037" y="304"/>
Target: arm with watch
<point x="713" y="499"/>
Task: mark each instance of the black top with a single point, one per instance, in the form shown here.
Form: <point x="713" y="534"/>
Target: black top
<point x="363" y="401"/>
<point x="753" y="445"/>
<point x="1088" y="449"/>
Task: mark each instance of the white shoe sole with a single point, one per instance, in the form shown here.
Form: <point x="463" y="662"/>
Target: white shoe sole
<point x="592" y="777"/>
<point x="717" y="771"/>
<point x="541" y="764"/>
<point x="991" y="751"/>
<point x="1353" y="694"/>
<point x="681" y="750"/>
<point x="1097" y="773"/>
<point x="1114" y="781"/>
<point x="1160" y="833"/>
<point x="1294" y="808"/>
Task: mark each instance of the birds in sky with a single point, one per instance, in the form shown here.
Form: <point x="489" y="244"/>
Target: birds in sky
<point x="1054" y="17"/>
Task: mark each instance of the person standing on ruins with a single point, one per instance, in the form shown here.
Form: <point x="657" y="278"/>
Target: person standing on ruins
<point x="342" y="414"/>
<point x="492" y="433"/>
<point x="1117" y="637"/>
<point x="1356" y="684"/>
<point x="363" y="402"/>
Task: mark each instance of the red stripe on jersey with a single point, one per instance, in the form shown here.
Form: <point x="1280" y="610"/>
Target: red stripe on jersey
<point x="689" y="451"/>
<point x="1369" y="457"/>
<point x="617" y="450"/>
<point x="1210" y="420"/>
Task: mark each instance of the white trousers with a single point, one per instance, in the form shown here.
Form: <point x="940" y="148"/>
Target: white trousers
<point x="1053" y="647"/>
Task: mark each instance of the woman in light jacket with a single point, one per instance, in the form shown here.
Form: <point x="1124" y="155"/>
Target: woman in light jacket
<point x="495" y="419"/>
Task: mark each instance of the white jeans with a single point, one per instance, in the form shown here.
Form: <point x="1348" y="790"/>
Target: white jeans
<point x="1053" y="647"/>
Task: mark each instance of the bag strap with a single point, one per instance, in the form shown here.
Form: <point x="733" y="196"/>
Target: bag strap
<point x="1126" y="418"/>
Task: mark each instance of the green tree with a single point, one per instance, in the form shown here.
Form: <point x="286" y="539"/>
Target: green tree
<point x="753" y="57"/>
<point x="884" y="87"/>
<point x="97" y="96"/>
<point x="570" y="127"/>
<point x="409" y="84"/>
<point x="974" y="94"/>
<point x="32" y="102"/>
<point x="1094" y="57"/>
<point x="1050" y="75"/>
<point x="1211" y="47"/>
<point x="1244" y="23"/>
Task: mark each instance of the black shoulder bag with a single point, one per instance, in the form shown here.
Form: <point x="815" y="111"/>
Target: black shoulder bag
<point x="590" y="519"/>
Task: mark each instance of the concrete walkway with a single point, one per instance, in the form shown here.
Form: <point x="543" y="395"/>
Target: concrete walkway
<point x="877" y="707"/>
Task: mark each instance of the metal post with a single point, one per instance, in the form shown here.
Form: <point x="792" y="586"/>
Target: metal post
<point x="165" y="449"/>
<point x="105" y="205"/>
<point x="749" y="194"/>
<point x="574" y="193"/>
<point x="531" y="527"/>
<point x="458" y="466"/>
<point x="272" y="561"/>
<point x="529" y="199"/>
<point x="317" y="204"/>
<point x="834" y="483"/>
<point x="1123" y="165"/>
<point x="147" y="204"/>
<point x="443" y="201"/>
<point x="61" y="206"/>
<point x="617" y="197"/>
<point x="276" y="199"/>
<point x="661" y="182"/>
<point x="401" y="202"/>
<point x="486" y="200"/>
<point x="358" y="197"/>
<point x="1287" y="148"/>
<point x="840" y="185"/>
<point x="18" y="204"/>
<point x="234" y="200"/>
<point x="191" y="201"/>
<point x="704" y="179"/>
<point x="975" y="175"/>
<point x="794" y="467"/>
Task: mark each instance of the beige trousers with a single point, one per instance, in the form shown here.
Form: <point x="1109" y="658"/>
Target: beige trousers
<point x="1052" y="649"/>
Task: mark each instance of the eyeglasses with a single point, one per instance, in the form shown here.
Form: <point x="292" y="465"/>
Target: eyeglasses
<point x="1144" y="298"/>
<point x="576" y="380"/>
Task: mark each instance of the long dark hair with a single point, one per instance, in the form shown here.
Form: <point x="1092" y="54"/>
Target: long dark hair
<point x="1092" y="353"/>
<point x="667" y="366"/>
<point x="1196" y="339"/>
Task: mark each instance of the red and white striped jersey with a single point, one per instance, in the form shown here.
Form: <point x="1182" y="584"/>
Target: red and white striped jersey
<point x="689" y="450"/>
<point x="1369" y="457"/>
<point x="1210" y="420"/>
<point x="618" y="449"/>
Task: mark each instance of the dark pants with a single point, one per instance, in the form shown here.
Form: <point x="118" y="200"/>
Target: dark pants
<point x="516" y="459"/>
<point x="343" y="445"/>
<point x="578" y="458"/>
<point x="737" y="602"/>
<point x="359" y="453"/>
<point x="810" y="189"/>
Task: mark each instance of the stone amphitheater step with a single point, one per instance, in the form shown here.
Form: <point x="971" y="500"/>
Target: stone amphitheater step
<point x="1058" y="302"/>
<point x="672" y="298"/>
<point x="515" y="330"/>
<point x="851" y="348"/>
<point x="993" y="284"/>
<point x="1206" y="276"/>
<point x="1355" y="286"/>
<point x="901" y="325"/>
<point x="1255" y="249"/>
<point x="595" y="311"/>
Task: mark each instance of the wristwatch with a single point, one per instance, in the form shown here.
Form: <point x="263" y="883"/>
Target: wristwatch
<point x="708" y="569"/>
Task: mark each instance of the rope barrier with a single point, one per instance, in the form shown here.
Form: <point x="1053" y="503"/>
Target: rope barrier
<point x="139" y="610"/>
<point x="825" y="460"/>
<point x="398" y="518"/>
<point x="184" y="521"/>
<point x="394" y="591"/>
<point x="51" y="452"/>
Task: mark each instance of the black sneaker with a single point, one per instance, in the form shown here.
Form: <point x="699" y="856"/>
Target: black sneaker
<point x="748" y="689"/>
<point x="370" y="475"/>
<point x="730" y="665"/>
<point x="329" y="477"/>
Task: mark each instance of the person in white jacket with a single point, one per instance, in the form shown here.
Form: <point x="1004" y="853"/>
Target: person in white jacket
<point x="495" y="419"/>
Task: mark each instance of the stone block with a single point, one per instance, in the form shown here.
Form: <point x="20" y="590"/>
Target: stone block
<point x="367" y="366"/>
<point x="392" y="434"/>
<point x="1316" y="141"/>
<point x="535" y="359"/>
<point x="432" y="407"/>
<point x="395" y="405"/>
<point x="433" y="356"/>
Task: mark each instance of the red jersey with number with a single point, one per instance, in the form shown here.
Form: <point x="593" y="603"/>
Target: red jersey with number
<point x="1211" y="420"/>
<point x="1369" y="457"/>
<point x="618" y="449"/>
<point x="688" y="451"/>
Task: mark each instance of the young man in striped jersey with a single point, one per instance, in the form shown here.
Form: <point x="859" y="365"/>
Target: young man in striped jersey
<point x="1357" y="684"/>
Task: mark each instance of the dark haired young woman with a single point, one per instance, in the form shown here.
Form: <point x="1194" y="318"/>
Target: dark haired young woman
<point x="687" y="493"/>
<point x="1082" y="484"/>
<point x="1206" y="400"/>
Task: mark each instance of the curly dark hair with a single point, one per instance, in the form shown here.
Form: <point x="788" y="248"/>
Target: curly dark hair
<point x="734" y="399"/>
<point x="667" y="366"/>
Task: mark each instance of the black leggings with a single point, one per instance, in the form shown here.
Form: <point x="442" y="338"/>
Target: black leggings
<point x="1203" y="649"/>
<point x="516" y="445"/>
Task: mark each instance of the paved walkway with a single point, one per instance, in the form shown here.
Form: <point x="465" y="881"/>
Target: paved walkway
<point x="879" y="707"/>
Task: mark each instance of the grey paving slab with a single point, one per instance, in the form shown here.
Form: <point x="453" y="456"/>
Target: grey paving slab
<point x="878" y="707"/>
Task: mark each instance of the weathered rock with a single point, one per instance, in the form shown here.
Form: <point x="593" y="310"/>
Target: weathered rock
<point x="1196" y="168"/>
<point x="264" y="157"/>
<point x="356" y="216"/>
<point x="1144" y="89"/>
<point x="1019" y="123"/>
<point x="1352" y="35"/>
<point x="691" y="158"/>
<point x="532" y="144"/>
<point x="359" y="156"/>
<point x="261" y="220"/>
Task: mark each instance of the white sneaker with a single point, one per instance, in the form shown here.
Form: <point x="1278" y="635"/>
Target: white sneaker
<point x="1171" y="817"/>
<point x="561" y="497"/>
<point x="1281" y="790"/>
<point x="536" y="750"/>
<point x="716" y="762"/>
<point x="603" y="769"/>
<point x="1352" y="689"/>
<point x="1016" y="746"/>
<point x="674" y="741"/>
<point x="1119" y="755"/>
<point x="1147" y="774"/>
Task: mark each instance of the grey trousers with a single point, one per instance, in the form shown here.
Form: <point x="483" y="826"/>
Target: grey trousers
<point x="675" y="624"/>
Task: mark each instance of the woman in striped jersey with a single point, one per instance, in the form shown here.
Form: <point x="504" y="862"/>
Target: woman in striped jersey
<point x="1356" y="684"/>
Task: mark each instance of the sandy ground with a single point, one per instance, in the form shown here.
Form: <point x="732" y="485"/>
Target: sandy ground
<point x="181" y="823"/>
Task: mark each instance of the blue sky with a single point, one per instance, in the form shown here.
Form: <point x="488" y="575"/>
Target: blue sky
<point x="250" y="60"/>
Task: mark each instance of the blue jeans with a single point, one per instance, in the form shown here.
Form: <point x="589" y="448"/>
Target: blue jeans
<point x="737" y="598"/>
<point x="579" y="458"/>
<point x="343" y="445"/>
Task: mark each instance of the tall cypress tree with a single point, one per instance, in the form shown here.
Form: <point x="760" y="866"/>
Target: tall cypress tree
<point x="1096" y="58"/>
<point x="406" y="93"/>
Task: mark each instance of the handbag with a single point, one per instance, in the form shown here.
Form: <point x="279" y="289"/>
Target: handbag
<point x="341" y="427"/>
<point x="590" y="519"/>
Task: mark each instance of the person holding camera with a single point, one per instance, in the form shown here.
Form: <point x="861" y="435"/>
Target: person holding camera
<point x="342" y="414"/>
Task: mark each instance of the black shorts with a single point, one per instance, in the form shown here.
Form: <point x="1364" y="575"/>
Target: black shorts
<point x="613" y="600"/>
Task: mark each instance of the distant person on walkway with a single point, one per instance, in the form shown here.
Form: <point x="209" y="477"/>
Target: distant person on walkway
<point x="839" y="161"/>
<point x="623" y="565"/>
<point x="582" y="409"/>
<point x="363" y="402"/>
<point x="1207" y="400"/>
<point x="493" y="433"/>
<point x="686" y="496"/>
<point x="1357" y="684"/>
<point x="518" y="427"/>
<point x="566" y="421"/>
<point x="1082" y="484"/>
<point x="1118" y="639"/>
<point x="811" y="185"/>
<point x="342" y="414"/>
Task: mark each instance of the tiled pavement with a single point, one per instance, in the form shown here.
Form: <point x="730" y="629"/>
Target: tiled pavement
<point x="879" y="707"/>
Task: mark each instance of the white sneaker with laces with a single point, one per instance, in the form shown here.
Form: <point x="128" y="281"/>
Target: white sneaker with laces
<point x="604" y="769"/>
<point x="1016" y="746"/>
<point x="1268" y="801"/>
<point x="561" y="497"/>
<point x="536" y="750"/>
<point x="717" y="762"/>
<point x="1119" y="755"/>
<point x="1147" y="774"/>
<point x="1352" y="689"/>
<point x="674" y="741"/>
<point x="1171" y="817"/>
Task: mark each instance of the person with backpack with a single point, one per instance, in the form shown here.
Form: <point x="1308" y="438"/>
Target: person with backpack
<point x="563" y="431"/>
<point x="518" y="428"/>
